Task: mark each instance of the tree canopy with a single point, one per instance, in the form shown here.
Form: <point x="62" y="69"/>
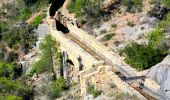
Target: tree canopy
<point x="15" y="88"/>
<point x="50" y="51"/>
<point x="6" y="70"/>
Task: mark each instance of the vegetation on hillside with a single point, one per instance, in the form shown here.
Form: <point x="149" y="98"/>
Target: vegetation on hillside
<point x="166" y="3"/>
<point x="50" y="56"/>
<point x="93" y="8"/>
<point x="133" y="5"/>
<point x="15" y="88"/>
<point x="37" y="20"/>
<point x="108" y="37"/>
<point x="56" y="87"/>
<point x="155" y="37"/>
<point x="90" y="8"/>
<point x="145" y="56"/>
<point x="15" y="33"/>
<point x="165" y="23"/>
<point x="92" y="90"/>
<point x="6" y="70"/>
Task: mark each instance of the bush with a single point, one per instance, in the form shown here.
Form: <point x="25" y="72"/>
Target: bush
<point x="89" y="7"/>
<point x="3" y="27"/>
<point x="25" y="14"/>
<point x="165" y="23"/>
<point x="132" y="3"/>
<point x="142" y="57"/>
<point x="71" y="7"/>
<point x="11" y="38"/>
<point x="36" y="2"/>
<point x="83" y="21"/>
<point x="19" y="36"/>
<point x="6" y="70"/>
<point x="15" y="88"/>
<point x="108" y="37"/>
<point x="36" y="21"/>
<point x="131" y="24"/>
<point x="155" y="38"/>
<point x="152" y="1"/>
<point x="114" y="25"/>
<point x="91" y="90"/>
<point x="41" y="66"/>
<point x="50" y="53"/>
<point x="56" y="87"/>
<point x="103" y="31"/>
<point x="126" y="96"/>
<point x="138" y="2"/>
<point x="9" y="97"/>
<point x="166" y="3"/>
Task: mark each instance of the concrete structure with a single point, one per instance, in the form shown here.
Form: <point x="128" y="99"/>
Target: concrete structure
<point x="86" y="65"/>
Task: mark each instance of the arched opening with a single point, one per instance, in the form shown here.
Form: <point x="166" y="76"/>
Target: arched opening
<point x="61" y="27"/>
<point x="80" y="63"/>
<point x="69" y="62"/>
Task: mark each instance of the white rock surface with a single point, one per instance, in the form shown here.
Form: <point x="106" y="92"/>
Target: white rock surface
<point x="145" y="25"/>
<point x="161" y="74"/>
<point x="42" y="30"/>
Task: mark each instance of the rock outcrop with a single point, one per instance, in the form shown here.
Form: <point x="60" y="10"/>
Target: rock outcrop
<point x="161" y="74"/>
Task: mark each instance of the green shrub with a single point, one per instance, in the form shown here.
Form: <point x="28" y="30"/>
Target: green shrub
<point x="9" y="97"/>
<point x="6" y="70"/>
<point x="83" y="21"/>
<point x="125" y="96"/>
<point x="138" y="2"/>
<point x="91" y="90"/>
<point x="38" y="3"/>
<point x="71" y="7"/>
<point x="155" y="38"/>
<point x="50" y="53"/>
<point x="165" y="23"/>
<point x="3" y="27"/>
<point x="41" y="66"/>
<point x="11" y="38"/>
<point x="114" y="25"/>
<point x="108" y="37"/>
<point x="25" y="14"/>
<point x="131" y="24"/>
<point x="166" y="3"/>
<point x="143" y="57"/>
<point x="16" y="88"/>
<point x="18" y="36"/>
<point x="36" y="21"/>
<point x="132" y="3"/>
<point x="1" y="55"/>
<point x="103" y="31"/>
<point x="56" y="87"/>
<point x="152" y="1"/>
<point x="89" y="7"/>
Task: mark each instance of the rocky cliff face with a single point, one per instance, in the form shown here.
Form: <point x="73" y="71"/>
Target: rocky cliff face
<point x="161" y="74"/>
